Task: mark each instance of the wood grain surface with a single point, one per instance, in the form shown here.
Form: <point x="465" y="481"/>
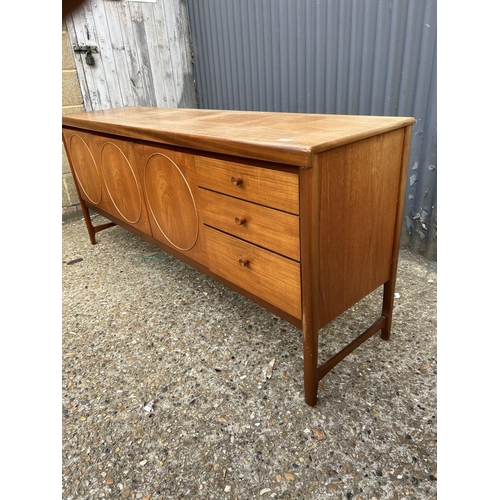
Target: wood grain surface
<point x="264" y="226"/>
<point x="272" y="188"/>
<point x="290" y="138"/>
<point x="107" y="173"/>
<point x="357" y="193"/>
<point x="170" y="190"/>
<point x="83" y="165"/>
<point x="271" y="277"/>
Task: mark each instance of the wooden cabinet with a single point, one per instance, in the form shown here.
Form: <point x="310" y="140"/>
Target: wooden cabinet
<point x="300" y="213"/>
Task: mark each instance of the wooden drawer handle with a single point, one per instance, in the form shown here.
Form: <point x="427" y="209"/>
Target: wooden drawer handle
<point x="236" y="180"/>
<point x="244" y="262"/>
<point x="240" y="220"/>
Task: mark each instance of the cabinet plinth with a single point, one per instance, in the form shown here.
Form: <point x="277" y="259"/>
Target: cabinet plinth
<point x="305" y="227"/>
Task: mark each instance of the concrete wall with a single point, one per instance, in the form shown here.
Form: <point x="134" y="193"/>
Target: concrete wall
<point x="72" y="102"/>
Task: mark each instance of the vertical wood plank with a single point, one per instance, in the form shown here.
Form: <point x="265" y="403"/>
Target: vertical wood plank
<point x="186" y="98"/>
<point x="308" y="179"/>
<point x="105" y="60"/>
<point x="78" y="35"/>
<point x="139" y="31"/>
<point x="114" y="13"/>
<point x="95" y="75"/>
<point x="159" y="53"/>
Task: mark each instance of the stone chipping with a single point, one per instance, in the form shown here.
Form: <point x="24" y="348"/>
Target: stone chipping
<point x="223" y="379"/>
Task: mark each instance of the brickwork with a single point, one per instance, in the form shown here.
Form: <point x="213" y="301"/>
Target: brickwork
<point x="72" y="102"/>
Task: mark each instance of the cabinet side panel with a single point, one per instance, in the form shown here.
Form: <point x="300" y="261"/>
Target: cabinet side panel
<point x="358" y="195"/>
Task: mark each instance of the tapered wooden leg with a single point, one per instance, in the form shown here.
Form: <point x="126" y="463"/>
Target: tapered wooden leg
<point x="309" y="187"/>
<point x="387" y="307"/>
<point x="311" y="377"/>
<point x="90" y="228"/>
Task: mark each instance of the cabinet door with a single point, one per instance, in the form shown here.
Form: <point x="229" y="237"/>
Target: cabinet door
<point x="83" y="165"/>
<point x="170" y="190"/>
<point x="106" y="172"/>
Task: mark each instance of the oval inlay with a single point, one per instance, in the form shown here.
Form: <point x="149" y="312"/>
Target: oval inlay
<point x="121" y="182"/>
<point x="171" y="201"/>
<point x="85" y="169"/>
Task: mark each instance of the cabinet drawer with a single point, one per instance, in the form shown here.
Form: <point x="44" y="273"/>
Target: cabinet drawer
<point x="271" y="277"/>
<point x="272" y="188"/>
<point x="266" y="227"/>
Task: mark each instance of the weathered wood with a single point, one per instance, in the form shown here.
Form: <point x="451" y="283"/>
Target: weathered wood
<point x="143" y="54"/>
<point x="109" y="68"/>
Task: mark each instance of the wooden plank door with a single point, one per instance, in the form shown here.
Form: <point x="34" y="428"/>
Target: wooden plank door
<point x="144" y="56"/>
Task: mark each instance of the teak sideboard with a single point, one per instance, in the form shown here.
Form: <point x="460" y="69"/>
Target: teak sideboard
<point x="300" y="213"/>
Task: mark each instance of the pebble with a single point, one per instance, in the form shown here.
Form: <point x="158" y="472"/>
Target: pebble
<point x="318" y="434"/>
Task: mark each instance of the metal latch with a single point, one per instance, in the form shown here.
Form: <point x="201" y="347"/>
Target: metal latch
<point x="79" y="49"/>
<point x="87" y="49"/>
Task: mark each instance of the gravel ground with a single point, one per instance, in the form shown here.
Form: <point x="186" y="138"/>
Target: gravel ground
<point x="140" y="326"/>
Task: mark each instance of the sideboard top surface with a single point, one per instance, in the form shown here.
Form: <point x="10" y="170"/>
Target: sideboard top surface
<point x="291" y="138"/>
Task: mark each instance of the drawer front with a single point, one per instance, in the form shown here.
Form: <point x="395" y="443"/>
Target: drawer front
<point x="266" y="227"/>
<point x="270" y="277"/>
<point x="272" y="188"/>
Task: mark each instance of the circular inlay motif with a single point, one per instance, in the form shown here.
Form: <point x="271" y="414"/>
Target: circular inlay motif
<point x="171" y="202"/>
<point x="120" y="182"/>
<point x="85" y="169"/>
